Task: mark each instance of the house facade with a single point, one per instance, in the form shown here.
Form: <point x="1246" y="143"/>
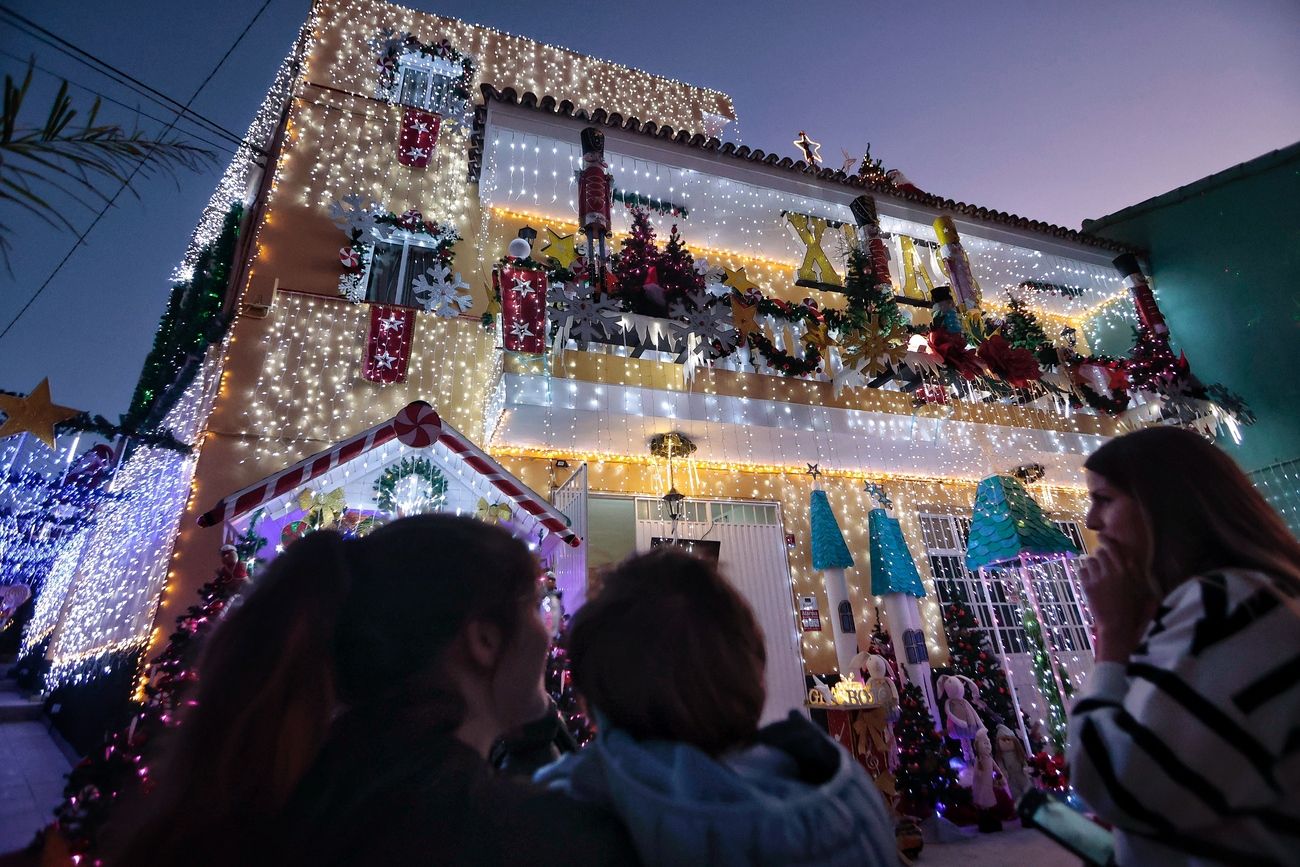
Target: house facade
<point x="404" y="152"/>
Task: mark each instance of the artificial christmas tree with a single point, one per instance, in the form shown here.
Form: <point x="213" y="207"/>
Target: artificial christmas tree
<point x="924" y="778"/>
<point x="637" y="263"/>
<point x="972" y="655"/>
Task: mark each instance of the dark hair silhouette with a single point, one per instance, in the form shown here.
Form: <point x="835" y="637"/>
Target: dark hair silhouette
<point x="669" y="650"/>
<point x="1201" y="511"/>
<point x="332" y="624"/>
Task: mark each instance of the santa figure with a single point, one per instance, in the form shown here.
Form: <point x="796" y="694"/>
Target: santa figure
<point x="232" y="570"/>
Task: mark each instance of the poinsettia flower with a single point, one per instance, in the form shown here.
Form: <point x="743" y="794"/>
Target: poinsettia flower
<point x="1016" y="367"/>
<point x="954" y="352"/>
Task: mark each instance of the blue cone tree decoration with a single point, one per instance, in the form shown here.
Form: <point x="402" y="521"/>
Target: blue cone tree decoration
<point x="831" y="557"/>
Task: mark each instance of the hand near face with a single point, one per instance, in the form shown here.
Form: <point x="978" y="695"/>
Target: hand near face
<point x="1120" y="602"/>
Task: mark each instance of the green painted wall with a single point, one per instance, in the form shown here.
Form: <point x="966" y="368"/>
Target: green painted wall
<point x="1224" y="258"/>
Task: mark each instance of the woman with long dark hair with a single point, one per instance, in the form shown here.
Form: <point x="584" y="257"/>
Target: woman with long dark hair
<point x="345" y="709"/>
<point x="1188" y="740"/>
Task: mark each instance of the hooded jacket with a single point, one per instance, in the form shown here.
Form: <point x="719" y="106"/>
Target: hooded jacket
<point x="792" y="798"/>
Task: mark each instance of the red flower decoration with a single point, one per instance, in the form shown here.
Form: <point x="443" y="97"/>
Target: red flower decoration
<point x="954" y="352"/>
<point x="1016" y="367"/>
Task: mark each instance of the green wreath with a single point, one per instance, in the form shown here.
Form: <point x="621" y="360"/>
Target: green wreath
<point x="435" y="490"/>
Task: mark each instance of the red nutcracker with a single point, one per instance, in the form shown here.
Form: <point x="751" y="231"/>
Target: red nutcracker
<point x="864" y="213"/>
<point x="1143" y="298"/>
<point x="595" y="199"/>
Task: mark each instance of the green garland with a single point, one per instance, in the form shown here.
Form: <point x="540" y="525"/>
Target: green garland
<point x="1056" y="723"/>
<point x="191" y="323"/>
<point x="421" y="468"/>
<point x="787" y="364"/>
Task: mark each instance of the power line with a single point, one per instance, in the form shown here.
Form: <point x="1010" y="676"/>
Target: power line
<point x="103" y="67"/>
<point x="225" y="146"/>
<point x="127" y="182"/>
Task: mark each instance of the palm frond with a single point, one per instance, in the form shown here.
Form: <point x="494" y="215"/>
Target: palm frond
<point x="78" y="161"/>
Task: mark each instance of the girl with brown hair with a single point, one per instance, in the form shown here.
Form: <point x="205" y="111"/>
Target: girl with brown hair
<point x="670" y="660"/>
<point x="344" y="711"/>
<point x="1187" y="740"/>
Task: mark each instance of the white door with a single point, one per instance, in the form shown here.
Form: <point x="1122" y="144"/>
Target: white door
<point x="754" y="558"/>
<point x="571" y="563"/>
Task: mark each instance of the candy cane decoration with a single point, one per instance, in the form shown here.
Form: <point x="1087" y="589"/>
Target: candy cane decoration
<point x="413" y="423"/>
<point x="547" y="515"/>
<point x="417" y="426"/>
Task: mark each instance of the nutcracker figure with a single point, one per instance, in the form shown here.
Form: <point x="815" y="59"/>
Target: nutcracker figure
<point x="595" y="199"/>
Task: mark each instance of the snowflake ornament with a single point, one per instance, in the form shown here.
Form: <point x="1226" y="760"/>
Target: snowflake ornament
<point x="355" y="214"/>
<point x="704" y="322"/>
<point x="589" y="318"/>
<point x="438" y="291"/>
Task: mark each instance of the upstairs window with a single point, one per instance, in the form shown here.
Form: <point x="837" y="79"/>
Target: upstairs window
<point x="433" y="77"/>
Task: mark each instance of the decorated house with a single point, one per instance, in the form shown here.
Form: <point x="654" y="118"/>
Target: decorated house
<point x="668" y="336"/>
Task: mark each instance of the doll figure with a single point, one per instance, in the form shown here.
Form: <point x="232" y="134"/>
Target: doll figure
<point x="943" y="311"/>
<point x="1011" y="757"/>
<point x="962" y="723"/>
<point x="983" y="796"/>
<point x="881" y="688"/>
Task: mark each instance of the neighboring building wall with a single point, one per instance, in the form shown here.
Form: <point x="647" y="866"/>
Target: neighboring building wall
<point x="1224" y="255"/>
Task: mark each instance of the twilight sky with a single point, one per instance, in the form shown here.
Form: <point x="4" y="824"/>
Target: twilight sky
<point x="1052" y="110"/>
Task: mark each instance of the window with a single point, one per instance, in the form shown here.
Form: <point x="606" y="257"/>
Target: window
<point x="395" y="268"/>
<point x="945" y="539"/>
<point x="1059" y="597"/>
<point x="429" y="83"/>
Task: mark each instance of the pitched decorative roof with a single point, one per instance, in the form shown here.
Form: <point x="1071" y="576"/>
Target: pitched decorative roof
<point x="1007" y="523"/>
<point x="650" y="129"/>
<point x="828" y="548"/>
<point x="892" y="568"/>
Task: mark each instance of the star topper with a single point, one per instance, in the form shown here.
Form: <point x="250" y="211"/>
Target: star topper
<point x="811" y="149"/>
<point x="814" y="471"/>
<point x="878" y="494"/>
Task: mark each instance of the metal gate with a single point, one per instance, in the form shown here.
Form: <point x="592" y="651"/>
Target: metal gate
<point x="570" y="564"/>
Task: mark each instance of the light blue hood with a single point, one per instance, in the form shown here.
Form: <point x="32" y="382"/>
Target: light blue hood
<point x="758" y="806"/>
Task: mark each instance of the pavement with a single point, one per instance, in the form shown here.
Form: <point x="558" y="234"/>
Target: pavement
<point x="32" y="766"/>
<point x="1014" y="847"/>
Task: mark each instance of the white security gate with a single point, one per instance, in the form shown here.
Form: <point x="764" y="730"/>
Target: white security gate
<point x="571" y="563"/>
<point x="754" y="558"/>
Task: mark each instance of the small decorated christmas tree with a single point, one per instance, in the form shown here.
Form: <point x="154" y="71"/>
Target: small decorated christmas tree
<point x="636" y="258"/>
<point x="559" y="684"/>
<point x="1152" y="365"/>
<point x="867" y="298"/>
<point x="1022" y="330"/>
<point x="924" y="777"/>
<point x="972" y="655"/>
<point x="677" y="274"/>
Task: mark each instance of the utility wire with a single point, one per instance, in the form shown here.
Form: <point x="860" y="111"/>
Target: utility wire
<point x="103" y="67"/>
<point x="219" y="145"/>
<point x="126" y="183"/>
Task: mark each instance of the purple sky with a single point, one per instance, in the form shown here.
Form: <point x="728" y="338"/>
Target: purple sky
<point x="1054" y="111"/>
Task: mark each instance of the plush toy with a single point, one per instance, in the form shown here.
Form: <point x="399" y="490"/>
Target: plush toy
<point x="881" y="688"/>
<point x="962" y="723"/>
<point x="983" y="795"/>
<point x="1015" y="764"/>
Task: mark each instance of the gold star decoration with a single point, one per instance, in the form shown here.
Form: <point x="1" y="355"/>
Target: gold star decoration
<point x="560" y="248"/>
<point x="817" y="335"/>
<point x="875" y="348"/>
<point x="811" y="149"/>
<point x="34" y="414"/>
<point x="742" y="315"/>
<point x="738" y="279"/>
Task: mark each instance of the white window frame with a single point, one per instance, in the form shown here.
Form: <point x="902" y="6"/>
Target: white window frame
<point x="440" y="74"/>
<point x="945" y="536"/>
<point x="407" y="240"/>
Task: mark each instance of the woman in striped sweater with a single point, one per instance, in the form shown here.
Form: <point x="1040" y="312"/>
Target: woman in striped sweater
<point x="1188" y="740"/>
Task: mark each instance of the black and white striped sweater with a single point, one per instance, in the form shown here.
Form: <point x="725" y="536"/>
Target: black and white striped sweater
<point x="1192" y="750"/>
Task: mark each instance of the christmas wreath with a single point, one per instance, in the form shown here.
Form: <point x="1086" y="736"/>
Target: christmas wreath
<point x="430" y="485"/>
